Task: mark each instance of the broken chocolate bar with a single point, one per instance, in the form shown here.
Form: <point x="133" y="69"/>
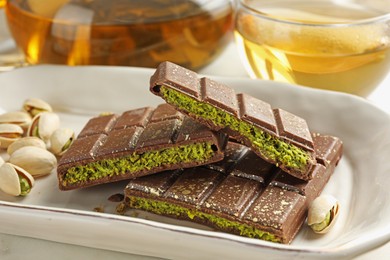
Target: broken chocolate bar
<point x="242" y="194"/>
<point x="275" y="135"/>
<point x="138" y="142"/>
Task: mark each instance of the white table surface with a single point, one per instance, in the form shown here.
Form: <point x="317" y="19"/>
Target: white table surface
<point x="228" y="64"/>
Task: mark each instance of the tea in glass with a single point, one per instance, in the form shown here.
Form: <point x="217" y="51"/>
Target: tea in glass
<point x="337" y="45"/>
<point x="10" y="56"/>
<point x="123" y="32"/>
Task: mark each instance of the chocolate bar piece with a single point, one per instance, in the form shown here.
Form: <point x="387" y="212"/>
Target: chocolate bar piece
<point x="243" y="194"/>
<point x="275" y="135"/>
<point x="138" y="142"/>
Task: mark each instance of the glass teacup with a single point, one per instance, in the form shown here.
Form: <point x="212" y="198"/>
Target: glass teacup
<point x="337" y="45"/>
<point x="124" y="32"/>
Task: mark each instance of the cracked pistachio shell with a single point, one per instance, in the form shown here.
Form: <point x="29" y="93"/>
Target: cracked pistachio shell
<point x="1" y="161"/>
<point x="26" y="141"/>
<point x="43" y="125"/>
<point x="323" y="213"/>
<point x="61" y="140"/>
<point x="9" y="133"/>
<point x="20" y="118"/>
<point x="34" y="106"/>
<point x="37" y="161"/>
<point x="14" y="180"/>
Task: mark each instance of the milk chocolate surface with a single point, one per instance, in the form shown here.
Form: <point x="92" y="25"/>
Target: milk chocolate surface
<point x="242" y="194"/>
<point x="249" y="120"/>
<point x="136" y="143"/>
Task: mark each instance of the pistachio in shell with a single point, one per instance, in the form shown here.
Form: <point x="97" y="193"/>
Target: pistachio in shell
<point x="34" y="106"/>
<point x="26" y="141"/>
<point x="20" y="118"/>
<point x="14" y="180"/>
<point x="43" y="125"/>
<point x="323" y="213"/>
<point x="61" y="140"/>
<point x="9" y="133"/>
<point x="37" y="161"/>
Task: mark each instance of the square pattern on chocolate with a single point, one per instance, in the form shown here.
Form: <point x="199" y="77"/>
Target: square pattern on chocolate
<point x="251" y="197"/>
<point x="257" y="111"/>
<point x="232" y="195"/>
<point x="98" y="125"/>
<point x="246" y="118"/>
<point x="137" y="117"/>
<point x="277" y="210"/>
<point x="115" y="147"/>
<point x="218" y="94"/>
<point x="293" y="128"/>
<point x="84" y="149"/>
<point x="192" y="186"/>
<point x="175" y="73"/>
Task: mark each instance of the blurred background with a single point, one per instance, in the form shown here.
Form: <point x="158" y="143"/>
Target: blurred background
<point x="341" y="45"/>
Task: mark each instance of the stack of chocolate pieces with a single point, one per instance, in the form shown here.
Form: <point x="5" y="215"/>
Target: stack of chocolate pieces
<point x="209" y="155"/>
<point x="137" y="143"/>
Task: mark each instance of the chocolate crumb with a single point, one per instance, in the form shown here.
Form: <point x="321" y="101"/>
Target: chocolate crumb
<point x="99" y="209"/>
<point x="116" y="197"/>
<point x="121" y="208"/>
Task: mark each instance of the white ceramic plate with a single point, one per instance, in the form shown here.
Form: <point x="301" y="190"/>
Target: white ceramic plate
<point x="361" y="181"/>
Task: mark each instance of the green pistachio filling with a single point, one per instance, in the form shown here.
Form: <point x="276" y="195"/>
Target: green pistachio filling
<point x="67" y="145"/>
<point x="36" y="132"/>
<point x="322" y="225"/>
<point x="24" y="186"/>
<point x="199" y="152"/>
<point x="164" y="208"/>
<point x="269" y="146"/>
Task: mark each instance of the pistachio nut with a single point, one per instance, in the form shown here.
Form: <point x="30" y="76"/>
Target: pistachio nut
<point x="37" y="161"/>
<point x="20" y="118"/>
<point x="61" y="140"/>
<point x="323" y="213"/>
<point x="34" y="106"/>
<point x="9" y="133"/>
<point x="43" y="125"/>
<point x="14" y="180"/>
<point x="26" y="141"/>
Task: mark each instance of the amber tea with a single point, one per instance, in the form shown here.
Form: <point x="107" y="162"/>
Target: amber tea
<point x="124" y="32"/>
<point x="315" y="44"/>
<point x="10" y="56"/>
